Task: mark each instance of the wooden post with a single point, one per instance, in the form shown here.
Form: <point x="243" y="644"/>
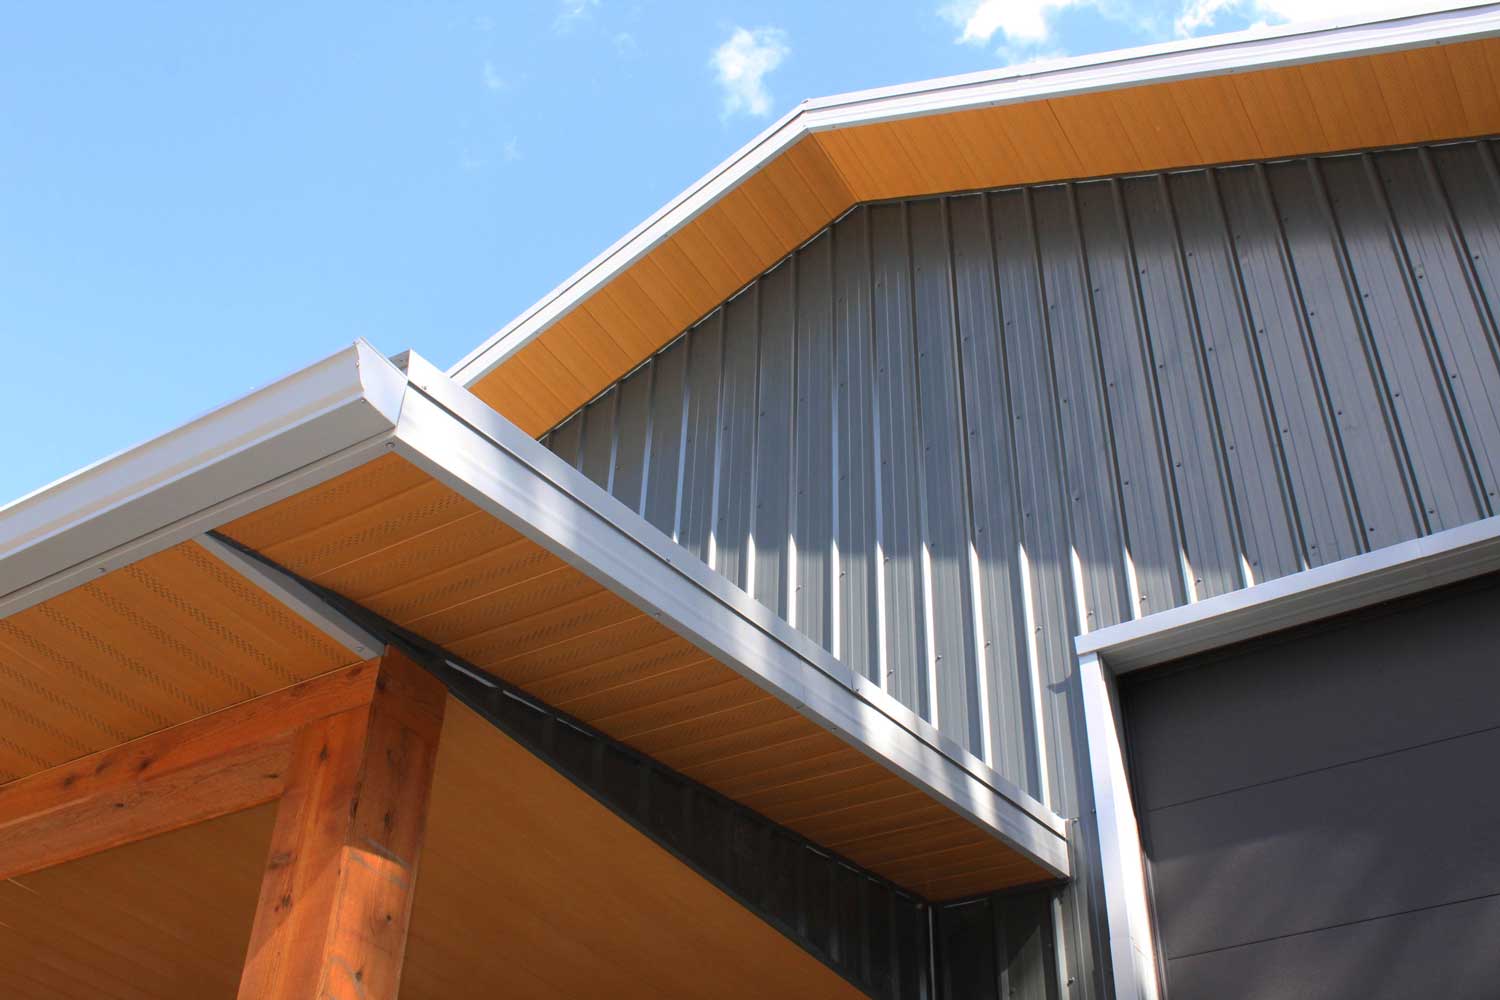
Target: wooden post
<point x="213" y="765"/>
<point x="337" y="893"/>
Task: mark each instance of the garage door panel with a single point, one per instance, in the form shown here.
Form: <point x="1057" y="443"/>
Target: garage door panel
<point x="1348" y="843"/>
<point x="1320" y="809"/>
<point x="1396" y="677"/>
<point x="1447" y="952"/>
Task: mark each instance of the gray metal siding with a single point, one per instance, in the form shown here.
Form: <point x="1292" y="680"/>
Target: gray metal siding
<point x="957" y="431"/>
<point x="1330" y="784"/>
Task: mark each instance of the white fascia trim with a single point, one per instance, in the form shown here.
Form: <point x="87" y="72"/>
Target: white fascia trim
<point x="458" y="439"/>
<point x="1366" y="34"/>
<point x="1127" y="912"/>
<point x="283" y="438"/>
<point x="1382" y="575"/>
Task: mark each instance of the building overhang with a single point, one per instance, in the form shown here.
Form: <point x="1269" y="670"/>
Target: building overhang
<point x="1376" y="80"/>
<point x="399" y="491"/>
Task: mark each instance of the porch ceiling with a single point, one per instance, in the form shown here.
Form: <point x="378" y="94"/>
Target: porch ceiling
<point x="531" y="889"/>
<point x="527" y="888"/>
<point x="170" y="638"/>
<point x="161" y="919"/>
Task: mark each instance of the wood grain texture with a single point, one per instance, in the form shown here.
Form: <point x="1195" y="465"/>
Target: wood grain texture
<point x="672" y="286"/>
<point x="511" y="608"/>
<point x="532" y="889"/>
<point x="1438" y="92"/>
<point x="222" y="763"/>
<point x="166" y="918"/>
<point x="336" y="897"/>
<point x="170" y="638"/>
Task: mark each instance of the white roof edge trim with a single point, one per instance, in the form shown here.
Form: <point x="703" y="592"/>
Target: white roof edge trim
<point x="609" y="530"/>
<point x="137" y="501"/>
<point x="1371" y="33"/>
<point x="1299" y="598"/>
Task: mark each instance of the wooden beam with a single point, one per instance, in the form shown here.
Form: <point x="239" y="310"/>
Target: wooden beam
<point x="337" y="894"/>
<point x="211" y="766"/>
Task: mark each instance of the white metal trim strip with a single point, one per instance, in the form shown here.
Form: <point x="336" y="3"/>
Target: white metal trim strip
<point x="1382" y="575"/>
<point x="1127" y="911"/>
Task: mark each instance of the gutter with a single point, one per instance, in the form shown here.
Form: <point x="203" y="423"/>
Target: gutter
<point x="273" y="442"/>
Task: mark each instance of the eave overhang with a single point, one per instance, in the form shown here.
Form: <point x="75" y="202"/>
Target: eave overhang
<point x="286" y="465"/>
<point x="1423" y="75"/>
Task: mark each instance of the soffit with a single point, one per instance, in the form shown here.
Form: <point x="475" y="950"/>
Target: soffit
<point x="166" y="918"/>
<point x="390" y="537"/>
<point x="530" y="888"/>
<point x="155" y="643"/>
<point x="615" y="318"/>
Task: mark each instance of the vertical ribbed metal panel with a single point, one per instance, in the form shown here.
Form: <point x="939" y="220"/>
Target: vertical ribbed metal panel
<point x="958" y="431"/>
<point x="815" y="487"/>
<point x="945" y="570"/>
<point x="596" y="456"/>
<point x="632" y="459"/>
<point x="698" y="492"/>
<point x="903" y="631"/>
<point x="770" y="524"/>
<point x="735" y="479"/>
<point x="566" y="437"/>
<point x="857" y="623"/>
<point x="1004" y="676"/>
<point x="668" y="416"/>
<point x="1238" y="401"/>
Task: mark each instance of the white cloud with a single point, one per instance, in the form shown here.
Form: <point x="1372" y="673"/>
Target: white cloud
<point x="1198" y="15"/>
<point x="742" y="64"/>
<point x="1022" y="22"/>
<point x="1024" y="29"/>
<point x="625" y="43"/>
<point x="573" y="11"/>
<point x="511" y="151"/>
<point x="492" y="78"/>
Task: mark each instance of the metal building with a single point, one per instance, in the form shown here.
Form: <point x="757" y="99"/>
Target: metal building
<point x="1021" y="535"/>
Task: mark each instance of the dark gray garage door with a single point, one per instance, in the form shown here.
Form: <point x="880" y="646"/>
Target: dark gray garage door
<point x="1321" y="810"/>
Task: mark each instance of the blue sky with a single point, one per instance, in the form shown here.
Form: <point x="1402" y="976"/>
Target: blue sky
<point x="198" y="198"/>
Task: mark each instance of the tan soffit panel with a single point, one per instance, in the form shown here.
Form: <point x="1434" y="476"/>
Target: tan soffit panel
<point x="172" y="637"/>
<point x="1389" y="98"/>
<point x="391" y="538"/>
<point x="529" y="888"/>
<point x="166" y="918"/>
<point x="775" y="210"/>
